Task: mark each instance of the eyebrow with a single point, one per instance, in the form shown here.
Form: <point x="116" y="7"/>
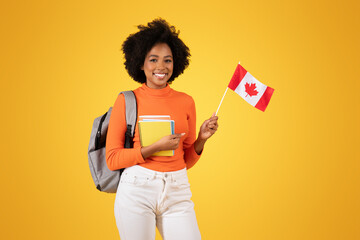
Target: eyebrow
<point x="168" y="56"/>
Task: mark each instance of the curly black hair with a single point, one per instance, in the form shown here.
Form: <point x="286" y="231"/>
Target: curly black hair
<point x="137" y="45"/>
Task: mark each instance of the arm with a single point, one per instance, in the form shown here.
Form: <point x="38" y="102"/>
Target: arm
<point x="207" y="129"/>
<point x="117" y="156"/>
<point x="170" y="142"/>
<point x="192" y="147"/>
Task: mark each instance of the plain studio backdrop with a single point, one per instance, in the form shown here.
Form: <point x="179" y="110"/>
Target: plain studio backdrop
<point x="291" y="172"/>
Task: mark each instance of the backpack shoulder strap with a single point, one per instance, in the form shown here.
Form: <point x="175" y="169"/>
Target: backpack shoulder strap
<point x="131" y="117"/>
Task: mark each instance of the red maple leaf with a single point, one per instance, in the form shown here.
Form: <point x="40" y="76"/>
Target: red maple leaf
<point x="250" y="89"/>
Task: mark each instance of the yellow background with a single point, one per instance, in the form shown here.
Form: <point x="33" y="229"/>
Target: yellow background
<point x="289" y="173"/>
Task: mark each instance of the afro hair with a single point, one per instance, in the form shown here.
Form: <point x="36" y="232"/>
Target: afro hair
<point x="137" y="45"/>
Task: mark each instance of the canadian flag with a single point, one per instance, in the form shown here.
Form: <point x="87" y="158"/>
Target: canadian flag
<point x="250" y="89"/>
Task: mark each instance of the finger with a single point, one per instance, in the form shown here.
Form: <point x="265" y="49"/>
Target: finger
<point x="214" y="118"/>
<point x="212" y="129"/>
<point x="213" y="126"/>
<point x="177" y="135"/>
<point x="212" y="123"/>
<point x="205" y="124"/>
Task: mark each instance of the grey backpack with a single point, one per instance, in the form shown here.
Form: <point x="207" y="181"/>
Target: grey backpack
<point x="106" y="180"/>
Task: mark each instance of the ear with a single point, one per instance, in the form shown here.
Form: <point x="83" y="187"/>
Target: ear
<point x="142" y="67"/>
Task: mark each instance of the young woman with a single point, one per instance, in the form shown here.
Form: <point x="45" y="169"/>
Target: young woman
<point x="154" y="190"/>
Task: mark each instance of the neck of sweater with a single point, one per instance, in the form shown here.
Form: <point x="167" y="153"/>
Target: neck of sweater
<point x="163" y="92"/>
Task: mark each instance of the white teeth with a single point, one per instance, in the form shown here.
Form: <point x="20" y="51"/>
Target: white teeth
<point x="160" y="75"/>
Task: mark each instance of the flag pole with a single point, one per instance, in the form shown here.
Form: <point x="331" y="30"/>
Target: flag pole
<point x="221" y="101"/>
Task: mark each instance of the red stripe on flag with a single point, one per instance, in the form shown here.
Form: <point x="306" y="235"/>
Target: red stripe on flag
<point x="237" y="77"/>
<point x="265" y="98"/>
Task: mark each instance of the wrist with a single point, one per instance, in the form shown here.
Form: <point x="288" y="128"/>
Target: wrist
<point x="156" y="147"/>
<point x="200" y="138"/>
<point x="199" y="145"/>
<point x="147" y="151"/>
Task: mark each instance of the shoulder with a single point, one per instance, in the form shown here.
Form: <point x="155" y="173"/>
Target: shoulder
<point x="121" y="98"/>
<point x="120" y="101"/>
<point x="183" y="96"/>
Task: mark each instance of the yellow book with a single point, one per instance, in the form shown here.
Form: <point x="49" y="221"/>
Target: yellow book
<point x="153" y="130"/>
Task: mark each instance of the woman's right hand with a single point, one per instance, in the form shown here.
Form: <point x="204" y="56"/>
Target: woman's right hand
<point x="170" y="142"/>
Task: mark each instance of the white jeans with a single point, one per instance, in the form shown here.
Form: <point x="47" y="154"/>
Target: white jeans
<point x="146" y="199"/>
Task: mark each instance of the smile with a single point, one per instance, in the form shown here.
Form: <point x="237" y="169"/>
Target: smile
<point x="160" y="75"/>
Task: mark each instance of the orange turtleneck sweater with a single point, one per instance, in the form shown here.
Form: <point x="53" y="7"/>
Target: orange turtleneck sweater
<point x="179" y="106"/>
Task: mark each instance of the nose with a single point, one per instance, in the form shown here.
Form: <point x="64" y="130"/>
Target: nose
<point x="160" y="65"/>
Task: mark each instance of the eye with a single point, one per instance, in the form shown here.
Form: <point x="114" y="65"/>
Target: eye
<point x="168" y="60"/>
<point x="153" y="60"/>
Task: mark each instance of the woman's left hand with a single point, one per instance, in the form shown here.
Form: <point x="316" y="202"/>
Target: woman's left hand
<point x="208" y="128"/>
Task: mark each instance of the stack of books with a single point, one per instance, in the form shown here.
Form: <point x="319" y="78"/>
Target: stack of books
<point x="154" y="127"/>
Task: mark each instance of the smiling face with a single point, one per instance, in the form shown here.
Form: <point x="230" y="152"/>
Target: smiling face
<point x="158" y="66"/>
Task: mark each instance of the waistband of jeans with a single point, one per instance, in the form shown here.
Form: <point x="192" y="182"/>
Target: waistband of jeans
<point x="149" y="172"/>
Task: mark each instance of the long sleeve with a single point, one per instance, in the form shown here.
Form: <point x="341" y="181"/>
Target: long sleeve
<point x="166" y="101"/>
<point x="117" y="156"/>
<point x="190" y="156"/>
